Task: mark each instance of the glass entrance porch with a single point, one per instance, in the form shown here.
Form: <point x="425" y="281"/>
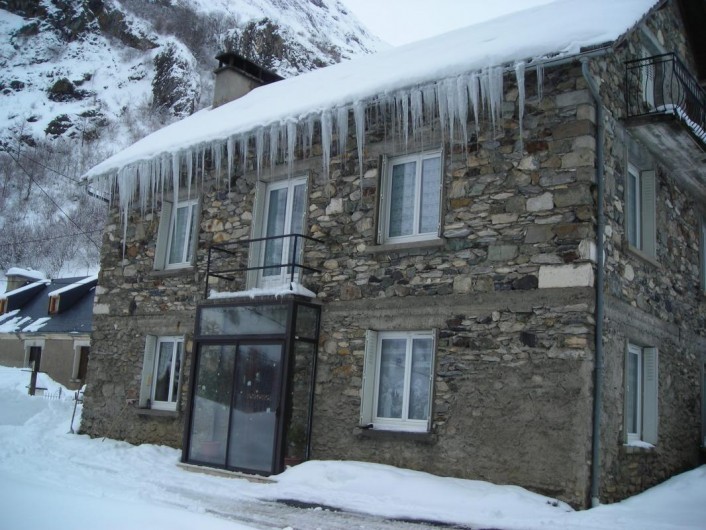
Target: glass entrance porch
<point x="252" y="386"/>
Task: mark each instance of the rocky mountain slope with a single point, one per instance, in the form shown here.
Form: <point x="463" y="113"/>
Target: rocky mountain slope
<point x="81" y="79"/>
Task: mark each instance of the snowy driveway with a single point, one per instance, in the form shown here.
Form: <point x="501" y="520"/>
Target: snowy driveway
<point x="52" y="479"/>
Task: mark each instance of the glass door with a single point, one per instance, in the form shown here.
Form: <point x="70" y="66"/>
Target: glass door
<point x="256" y="407"/>
<point x="284" y="214"/>
<point x="236" y="406"/>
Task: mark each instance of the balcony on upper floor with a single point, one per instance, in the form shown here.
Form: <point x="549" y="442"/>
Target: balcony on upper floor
<point x="666" y="111"/>
<point x="265" y="266"/>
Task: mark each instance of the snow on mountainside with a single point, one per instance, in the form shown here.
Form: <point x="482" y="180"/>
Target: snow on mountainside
<point x="71" y="67"/>
<point x="82" y="79"/>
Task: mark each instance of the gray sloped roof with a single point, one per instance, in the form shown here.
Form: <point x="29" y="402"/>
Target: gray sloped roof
<point x="76" y="316"/>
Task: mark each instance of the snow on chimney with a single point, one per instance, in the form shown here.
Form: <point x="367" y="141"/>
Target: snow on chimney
<point x="236" y="76"/>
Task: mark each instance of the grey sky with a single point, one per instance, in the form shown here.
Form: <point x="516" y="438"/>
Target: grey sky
<point x="401" y="21"/>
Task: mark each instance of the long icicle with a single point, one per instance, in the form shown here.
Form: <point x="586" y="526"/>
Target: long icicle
<point x="520" y="77"/>
<point x="359" y="117"/>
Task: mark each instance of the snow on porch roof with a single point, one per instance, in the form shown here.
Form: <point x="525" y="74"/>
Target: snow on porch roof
<point x="558" y="29"/>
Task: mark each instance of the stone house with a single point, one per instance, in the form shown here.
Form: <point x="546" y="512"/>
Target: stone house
<point x="45" y="324"/>
<point x="480" y="256"/>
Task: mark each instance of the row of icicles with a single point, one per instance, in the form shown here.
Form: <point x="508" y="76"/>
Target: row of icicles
<point x="451" y="101"/>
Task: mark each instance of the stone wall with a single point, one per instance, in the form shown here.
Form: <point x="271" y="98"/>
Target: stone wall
<point x="650" y="301"/>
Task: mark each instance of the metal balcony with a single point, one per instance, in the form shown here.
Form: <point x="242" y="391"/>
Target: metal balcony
<point x="232" y="263"/>
<point x="666" y="110"/>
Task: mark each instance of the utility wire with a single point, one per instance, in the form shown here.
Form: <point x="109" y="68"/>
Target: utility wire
<point x="16" y="160"/>
<point x="53" y="201"/>
<point x="49" y="238"/>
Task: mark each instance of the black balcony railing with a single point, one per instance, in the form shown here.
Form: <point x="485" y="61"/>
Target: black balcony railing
<point x="231" y="262"/>
<point x="662" y="85"/>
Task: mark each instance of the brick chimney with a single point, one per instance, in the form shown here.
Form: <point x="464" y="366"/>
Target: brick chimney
<point x="236" y="76"/>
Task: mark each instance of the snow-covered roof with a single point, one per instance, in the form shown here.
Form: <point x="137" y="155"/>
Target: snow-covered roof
<point x="28" y="312"/>
<point x="72" y="286"/>
<point x="558" y="29"/>
<point x="28" y="287"/>
<point x="26" y="273"/>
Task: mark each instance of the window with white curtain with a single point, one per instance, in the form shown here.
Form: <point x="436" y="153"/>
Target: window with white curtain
<point x="284" y="214"/>
<point x="161" y="372"/>
<point x="176" y="239"/>
<point x="397" y="380"/>
<point x="411" y="198"/>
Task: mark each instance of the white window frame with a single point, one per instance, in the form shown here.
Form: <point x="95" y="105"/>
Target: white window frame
<point x="149" y="370"/>
<point x="78" y="344"/>
<point x="167" y="224"/>
<point x="643" y="214"/>
<point x="30" y="343"/>
<point x="646" y="413"/>
<point x="386" y="198"/>
<point x="371" y="382"/>
<point x="257" y="250"/>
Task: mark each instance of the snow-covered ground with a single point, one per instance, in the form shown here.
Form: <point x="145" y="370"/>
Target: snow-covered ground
<point x="50" y="478"/>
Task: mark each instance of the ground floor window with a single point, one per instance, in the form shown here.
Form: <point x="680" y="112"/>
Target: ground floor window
<point x="161" y="372"/>
<point x="398" y="377"/>
<point x="641" y="394"/>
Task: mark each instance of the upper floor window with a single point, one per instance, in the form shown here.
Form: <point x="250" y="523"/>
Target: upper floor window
<point x="178" y="230"/>
<point x="641" y="394"/>
<point x="410" y="206"/>
<point x="280" y="213"/>
<point x="397" y="380"/>
<point x="641" y="210"/>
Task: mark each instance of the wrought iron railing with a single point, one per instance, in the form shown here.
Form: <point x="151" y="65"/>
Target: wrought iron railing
<point x="232" y="262"/>
<point x="662" y="85"/>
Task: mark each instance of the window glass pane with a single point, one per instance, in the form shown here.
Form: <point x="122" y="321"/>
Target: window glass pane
<point x="297" y="428"/>
<point x="297" y="221"/>
<point x="391" y="381"/>
<point x="307" y="322"/>
<point x="243" y="320"/>
<point x="632" y="392"/>
<point x="177" y="371"/>
<point x="276" y="218"/>
<point x="419" y="386"/>
<point x="190" y="234"/>
<point x="179" y="232"/>
<point x="633" y="209"/>
<point x="211" y="405"/>
<point x="165" y="357"/>
<point x="254" y="414"/>
<point x="431" y="185"/>
<point x="402" y="199"/>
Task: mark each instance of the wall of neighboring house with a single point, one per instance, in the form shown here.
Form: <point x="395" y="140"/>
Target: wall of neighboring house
<point x="654" y="298"/>
<point x="58" y="356"/>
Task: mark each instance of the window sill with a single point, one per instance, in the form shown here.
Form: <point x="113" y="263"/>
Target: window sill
<point x="637" y="448"/>
<point x="652" y="260"/>
<point x="166" y="273"/>
<point x="411" y="245"/>
<point x="156" y="413"/>
<point x="381" y="434"/>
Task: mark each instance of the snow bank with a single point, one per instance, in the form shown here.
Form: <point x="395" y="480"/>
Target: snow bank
<point x="108" y="484"/>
